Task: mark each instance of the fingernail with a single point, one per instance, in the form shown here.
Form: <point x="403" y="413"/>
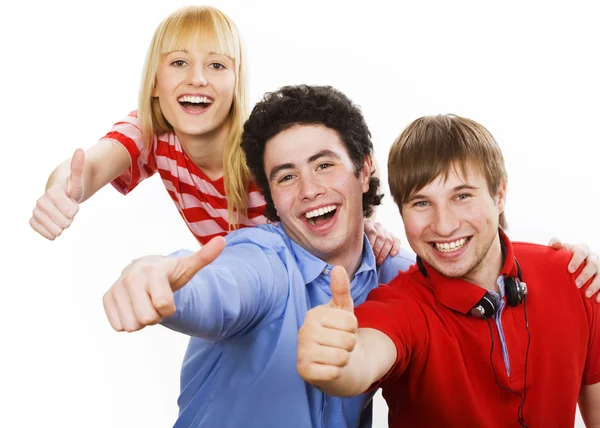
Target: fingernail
<point x="571" y="268"/>
<point x="578" y="283"/>
<point x="394" y="253"/>
<point x="588" y="294"/>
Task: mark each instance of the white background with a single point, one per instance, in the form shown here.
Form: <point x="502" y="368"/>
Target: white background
<point x="527" y="71"/>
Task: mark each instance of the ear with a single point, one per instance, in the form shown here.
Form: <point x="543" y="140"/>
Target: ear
<point x="155" y="89"/>
<point x="365" y="173"/>
<point x="501" y="197"/>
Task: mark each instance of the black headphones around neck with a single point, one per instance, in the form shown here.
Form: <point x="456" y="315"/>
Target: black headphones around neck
<point x="514" y="289"/>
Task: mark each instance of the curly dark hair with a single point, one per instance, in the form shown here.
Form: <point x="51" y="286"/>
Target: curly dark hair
<point x="307" y="105"/>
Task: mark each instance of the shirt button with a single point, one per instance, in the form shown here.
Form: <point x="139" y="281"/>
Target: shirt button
<point x="325" y="271"/>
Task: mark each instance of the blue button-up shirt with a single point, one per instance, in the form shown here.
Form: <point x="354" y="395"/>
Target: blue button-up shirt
<point x="243" y="312"/>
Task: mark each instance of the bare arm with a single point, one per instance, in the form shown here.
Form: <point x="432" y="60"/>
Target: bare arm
<point x="104" y="161"/>
<point x="74" y="181"/>
<point x="373" y="356"/>
<point x="336" y="356"/>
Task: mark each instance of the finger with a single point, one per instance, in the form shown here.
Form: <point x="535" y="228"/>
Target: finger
<point x="580" y="253"/>
<point x="396" y="247"/>
<point x="314" y="372"/>
<point x="143" y="307"/>
<point x="54" y="229"/>
<point x="185" y="268"/>
<point x="333" y="338"/>
<point x="112" y="313"/>
<point x="593" y="288"/>
<point x="588" y="272"/>
<point x="324" y="355"/>
<point x="338" y="319"/>
<point x="75" y="180"/>
<point x="125" y="309"/>
<point x="385" y="249"/>
<point x="340" y="290"/>
<point x="67" y="206"/>
<point x="40" y="229"/>
<point x="379" y="240"/>
<point x="555" y="243"/>
<point x="162" y="296"/>
<point x="54" y="213"/>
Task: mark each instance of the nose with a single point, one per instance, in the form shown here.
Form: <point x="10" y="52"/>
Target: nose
<point x="196" y="75"/>
<point x="310" y="187"/>
<point x="445" y="221"/>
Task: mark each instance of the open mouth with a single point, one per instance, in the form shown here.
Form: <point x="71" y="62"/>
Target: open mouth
<point x="195" y="103"/>
<point x="320" y="216"/>
<point x="448" y="247"/>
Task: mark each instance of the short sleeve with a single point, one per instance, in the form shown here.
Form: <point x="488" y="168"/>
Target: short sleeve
<point x="127" y="132"/>
<point x="397" y="316"/>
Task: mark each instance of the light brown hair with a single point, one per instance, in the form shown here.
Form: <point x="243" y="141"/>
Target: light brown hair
<point x="433" y="145"/>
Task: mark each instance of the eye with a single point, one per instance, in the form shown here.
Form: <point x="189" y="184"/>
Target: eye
<point x="324" y="165"/>
<point x="420" y="204"/>
<point x="463" y="196"/>
<point x="216" y="66"/>
<point x="178" y="63"/>
<point x="285" y="178"/>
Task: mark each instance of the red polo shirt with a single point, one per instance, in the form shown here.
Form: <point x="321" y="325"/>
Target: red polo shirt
<point x="443" y="375"/>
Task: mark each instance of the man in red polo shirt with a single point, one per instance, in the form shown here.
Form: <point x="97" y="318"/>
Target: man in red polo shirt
<point x="482" y="331"/>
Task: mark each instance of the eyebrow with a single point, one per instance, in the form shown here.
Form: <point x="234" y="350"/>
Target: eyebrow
<point x="316" y="156"/>
<point x="456" y="189"/>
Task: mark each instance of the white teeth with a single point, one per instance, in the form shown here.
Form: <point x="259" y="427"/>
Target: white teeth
<point x="447" y="247"/>
<point x="319" y="211"/>
<point x="194" y="99"/>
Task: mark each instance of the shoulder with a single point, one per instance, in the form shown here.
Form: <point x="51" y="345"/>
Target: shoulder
<point x="263" y="238"/>
<point x="541" y="259"/>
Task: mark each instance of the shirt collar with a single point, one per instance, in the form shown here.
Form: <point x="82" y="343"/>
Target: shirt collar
<point x="311" y="266"/>
<point x="461" y="295"/>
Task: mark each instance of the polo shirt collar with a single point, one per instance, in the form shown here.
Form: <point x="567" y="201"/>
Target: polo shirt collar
<point x="461" y="295"/>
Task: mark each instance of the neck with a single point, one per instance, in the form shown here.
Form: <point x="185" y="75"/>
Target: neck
<point x="488" y="269"/>
<point x="206" y="150"/>
<point x="350" y="256"/>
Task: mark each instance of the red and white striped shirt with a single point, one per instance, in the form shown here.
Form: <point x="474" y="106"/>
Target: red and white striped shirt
<point x="201" y="201"/>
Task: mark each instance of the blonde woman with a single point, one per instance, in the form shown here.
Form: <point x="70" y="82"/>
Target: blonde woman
<point x="188" y="126"/>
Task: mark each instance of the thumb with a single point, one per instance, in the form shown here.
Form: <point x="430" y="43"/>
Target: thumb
<point x="75" y="180"/>
<point x="340" y="290"/>
<point x="186" y="267"/>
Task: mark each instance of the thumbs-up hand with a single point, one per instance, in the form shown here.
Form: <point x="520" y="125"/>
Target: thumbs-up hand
<point x="328" y="336"/>
<point x="143" y="294"/>
<point x="55" y="209"/>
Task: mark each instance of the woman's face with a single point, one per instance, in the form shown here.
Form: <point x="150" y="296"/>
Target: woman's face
<point x="195" y="90"/>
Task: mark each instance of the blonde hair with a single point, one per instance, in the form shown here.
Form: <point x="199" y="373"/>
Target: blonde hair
<point x="432" y="146"/>
<point x="209" y="27"/>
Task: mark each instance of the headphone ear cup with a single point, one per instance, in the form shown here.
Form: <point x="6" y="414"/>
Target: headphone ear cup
<point x="512" y="290"/>
<point x="486" y="307"/>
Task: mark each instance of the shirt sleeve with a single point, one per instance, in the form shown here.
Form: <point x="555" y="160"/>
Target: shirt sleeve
<point x="245" y="288"/>
<point x="390" y="267"/>
<point x="398" y="317"/>
<point x="127" y="132"/>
